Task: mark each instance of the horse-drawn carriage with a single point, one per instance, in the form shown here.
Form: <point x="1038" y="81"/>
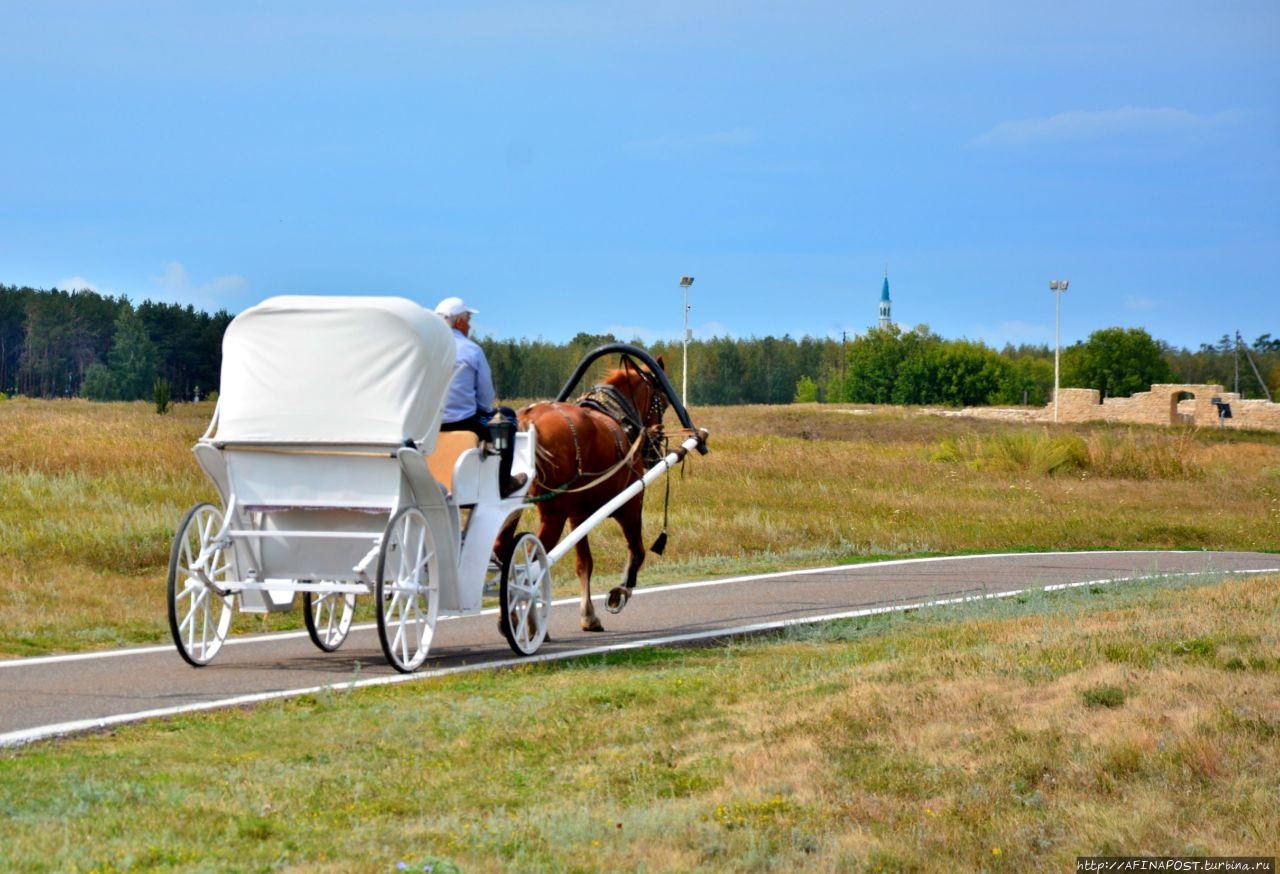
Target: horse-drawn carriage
<point x="336" y="482"/>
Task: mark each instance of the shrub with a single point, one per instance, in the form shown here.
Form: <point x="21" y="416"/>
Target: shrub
<point x="160" y="392"/>
<point x="1029" y="451"/>
<point x="1103" y="696"/>
<point x="1142" y="455"/>
<point x="1107" y="454"/>
<point x="806" y="391"/>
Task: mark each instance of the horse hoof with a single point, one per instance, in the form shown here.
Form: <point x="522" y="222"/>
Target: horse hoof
<point x="618" y="597"/>
<point x="592" y="624"/>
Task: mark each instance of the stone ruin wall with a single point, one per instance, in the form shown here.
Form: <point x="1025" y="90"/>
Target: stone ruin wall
<point x="1166" y="404"/>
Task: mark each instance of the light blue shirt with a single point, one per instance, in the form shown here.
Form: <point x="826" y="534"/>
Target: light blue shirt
<point x="471" y="390"/>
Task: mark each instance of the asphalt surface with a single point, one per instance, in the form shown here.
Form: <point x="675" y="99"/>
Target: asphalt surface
<point x="47" y="697"/>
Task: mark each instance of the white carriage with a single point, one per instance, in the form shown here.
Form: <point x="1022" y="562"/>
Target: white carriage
<point x="336" y="482"/>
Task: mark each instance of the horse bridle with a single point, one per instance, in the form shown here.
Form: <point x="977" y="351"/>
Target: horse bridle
<point x="625" y="411"/>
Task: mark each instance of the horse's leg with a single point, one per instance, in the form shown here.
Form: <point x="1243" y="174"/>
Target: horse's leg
<point x="585" y="564"/>
<point x="550" y="527"/>
<point x="632" y="527"/>
<point x="630" y="521"/>
<point x="549" y="533"/>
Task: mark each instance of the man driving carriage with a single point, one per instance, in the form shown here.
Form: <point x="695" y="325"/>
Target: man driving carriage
<point x="469" y="403"/>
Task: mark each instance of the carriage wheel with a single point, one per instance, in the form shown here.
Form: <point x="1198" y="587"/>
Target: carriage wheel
<point x="408" y="590"/>
<point x="328" y="616"/>
<point x="198" y="616"/>
<point x="526" y="595"/>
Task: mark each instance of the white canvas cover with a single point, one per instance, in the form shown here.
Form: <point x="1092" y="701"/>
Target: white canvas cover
<point x="299" y="369"/>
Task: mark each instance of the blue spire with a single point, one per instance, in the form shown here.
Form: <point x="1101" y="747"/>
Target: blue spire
<point x="885" y="317"/>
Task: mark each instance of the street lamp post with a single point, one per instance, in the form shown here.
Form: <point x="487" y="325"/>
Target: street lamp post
<point x="685" y="282"/>
<point x="1057" y="286"/>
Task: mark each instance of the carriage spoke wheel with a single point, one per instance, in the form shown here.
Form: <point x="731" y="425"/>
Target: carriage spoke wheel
<point x="328" y="616"/>
<point x="408" y="590"/>
<point x="199" y="617"/>
<point x="525" y="595"/>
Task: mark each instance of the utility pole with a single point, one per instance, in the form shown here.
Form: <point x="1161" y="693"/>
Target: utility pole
<point x="685" y="282"/>
<point x="1240" y="347"/>
<point x="1057" y="286"/>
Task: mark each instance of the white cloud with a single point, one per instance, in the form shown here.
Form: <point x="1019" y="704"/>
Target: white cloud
<point x="218" y="293"/>
<point x="75" y="283"/>
<point x="648" y="336"/>
<point x="1134" y="302"/>
<point x="1102" y="124"/>
<point x="712" y="330"/>
<point x="1016" y="333"/>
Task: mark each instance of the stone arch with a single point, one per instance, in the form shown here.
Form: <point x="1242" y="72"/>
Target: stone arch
<point x="1179" y="418"/>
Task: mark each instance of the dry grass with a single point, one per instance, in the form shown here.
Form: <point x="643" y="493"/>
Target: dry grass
<point x="820" y="484"/>
<point x="91" y="493"/>
<point x="89" y="497"/>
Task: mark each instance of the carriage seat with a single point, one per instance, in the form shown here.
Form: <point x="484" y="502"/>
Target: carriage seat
<point x="450" y="447"/>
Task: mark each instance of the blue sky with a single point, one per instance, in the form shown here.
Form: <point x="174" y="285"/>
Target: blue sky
<point x="562" y="164"/>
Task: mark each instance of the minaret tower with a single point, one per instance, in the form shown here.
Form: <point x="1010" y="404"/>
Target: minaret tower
<point x="884" y="301"/>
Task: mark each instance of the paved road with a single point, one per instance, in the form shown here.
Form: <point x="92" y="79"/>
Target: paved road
<point x="46" y="697"/>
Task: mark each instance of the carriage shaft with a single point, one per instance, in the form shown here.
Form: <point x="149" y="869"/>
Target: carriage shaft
<point x="651" y="475"/>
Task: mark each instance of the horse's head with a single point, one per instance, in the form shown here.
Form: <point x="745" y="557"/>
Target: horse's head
<point x="639" y="385"/>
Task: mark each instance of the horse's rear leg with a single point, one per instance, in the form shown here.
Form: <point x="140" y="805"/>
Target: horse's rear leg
<point x="586" y="612"/>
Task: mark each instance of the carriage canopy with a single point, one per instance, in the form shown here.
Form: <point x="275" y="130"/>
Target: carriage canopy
<point x="347" y="370"/>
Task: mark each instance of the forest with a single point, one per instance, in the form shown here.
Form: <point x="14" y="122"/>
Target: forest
<point x="56" y="343"/>
<point x="82" y="344"/>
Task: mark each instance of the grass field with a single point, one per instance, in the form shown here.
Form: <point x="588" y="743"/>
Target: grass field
<point x="1135" y="719"/>
<point x="91" y="494"/>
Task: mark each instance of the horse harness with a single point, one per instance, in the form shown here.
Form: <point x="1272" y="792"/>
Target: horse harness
<point x="621" y="409"/>
<point x="626" y="427"/>
<point x="617" y="406"/>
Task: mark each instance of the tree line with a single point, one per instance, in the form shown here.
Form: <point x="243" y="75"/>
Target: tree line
<point x="61" y="343"/>
<point x="84" y="344"/>
<point x="902" y="366"/>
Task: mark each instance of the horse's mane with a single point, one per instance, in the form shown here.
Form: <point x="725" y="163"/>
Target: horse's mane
<point x="623" y="373"/>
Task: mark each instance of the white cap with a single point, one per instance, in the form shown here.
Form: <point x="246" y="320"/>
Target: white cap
<point x="452" y="307"/>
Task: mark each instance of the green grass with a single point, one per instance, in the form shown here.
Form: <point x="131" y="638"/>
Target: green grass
<point x="1010" y="734"/>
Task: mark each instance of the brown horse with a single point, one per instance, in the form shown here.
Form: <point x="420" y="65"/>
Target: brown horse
<point x="588" y="452"/>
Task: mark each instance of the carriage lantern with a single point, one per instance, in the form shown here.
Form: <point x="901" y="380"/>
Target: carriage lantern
<point x="500" y="431"/>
